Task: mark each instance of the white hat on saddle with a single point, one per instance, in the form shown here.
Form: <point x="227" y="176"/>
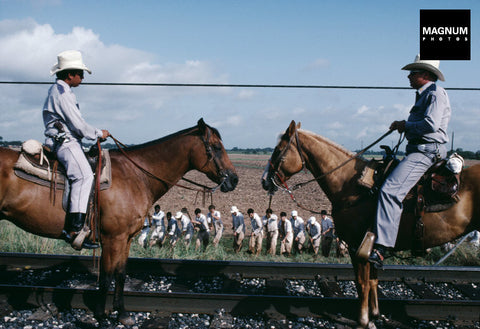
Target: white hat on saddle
<point x="69" y="60"/>
<point x="430" y="66"/>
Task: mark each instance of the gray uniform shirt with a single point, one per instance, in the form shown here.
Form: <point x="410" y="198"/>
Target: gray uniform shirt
<point x="61" y="105"/>
<point x="429" y="117"/>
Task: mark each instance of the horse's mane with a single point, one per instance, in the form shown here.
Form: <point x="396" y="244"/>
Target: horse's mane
<point x="183" y="132"/>
<point x="329" y="142"/>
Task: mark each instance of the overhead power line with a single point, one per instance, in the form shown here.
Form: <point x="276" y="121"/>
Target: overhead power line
<point x="223" y="85"/>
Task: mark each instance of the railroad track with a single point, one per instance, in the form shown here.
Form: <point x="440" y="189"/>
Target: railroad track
<point x="434" y="293"/>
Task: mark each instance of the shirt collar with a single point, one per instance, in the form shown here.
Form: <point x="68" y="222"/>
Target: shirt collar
<point x="424" y="87"/>
<point x="63" y="83"/>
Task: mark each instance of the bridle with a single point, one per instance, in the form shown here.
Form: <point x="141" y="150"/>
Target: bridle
<point x="211" y="157"/>
<point x="281" y="158"/>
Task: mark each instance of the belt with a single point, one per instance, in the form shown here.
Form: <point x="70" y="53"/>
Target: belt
<point x="419" y="142"/>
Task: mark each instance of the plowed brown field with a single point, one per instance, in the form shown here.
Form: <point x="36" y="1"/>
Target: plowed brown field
<point x="248" y="194"/>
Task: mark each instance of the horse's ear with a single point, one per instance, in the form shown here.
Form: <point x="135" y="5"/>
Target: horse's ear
<point x="291" y="128"/>
<point x="298" y="125"/>
<point x="202" y="125"/>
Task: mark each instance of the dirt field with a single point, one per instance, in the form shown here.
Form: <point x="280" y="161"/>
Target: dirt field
<point x="248" y="194"/>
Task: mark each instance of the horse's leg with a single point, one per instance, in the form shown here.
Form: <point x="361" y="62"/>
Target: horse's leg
<point x="120" y="274"/>
<point x="114" y="261"/>
<point x="104" y="285"/>
<point x="362" y="281"/>
<point x="374" y="308"/>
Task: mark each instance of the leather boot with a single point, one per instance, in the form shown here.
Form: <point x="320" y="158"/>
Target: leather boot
<point x="74" y="222"/>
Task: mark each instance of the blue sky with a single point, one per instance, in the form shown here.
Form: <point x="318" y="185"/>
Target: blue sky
<point x="230" y="42"/>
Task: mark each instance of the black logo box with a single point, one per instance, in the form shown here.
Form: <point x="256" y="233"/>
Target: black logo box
<point x="445" y="34"/>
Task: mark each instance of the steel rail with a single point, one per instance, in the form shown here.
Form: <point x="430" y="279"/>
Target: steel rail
<point x="240" y="304"/>
<point x="272" y="301"/>
<point x="267" y="270"/>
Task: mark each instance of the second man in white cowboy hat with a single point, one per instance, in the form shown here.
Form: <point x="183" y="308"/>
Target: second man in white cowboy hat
<point x="64" y="130"/>
<point x="426" y="132"/>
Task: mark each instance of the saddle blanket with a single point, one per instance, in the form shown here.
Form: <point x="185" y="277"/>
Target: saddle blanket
<point x="27" y="169"/>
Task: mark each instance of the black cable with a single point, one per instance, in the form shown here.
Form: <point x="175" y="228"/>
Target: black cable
<point x="217" y="85"/>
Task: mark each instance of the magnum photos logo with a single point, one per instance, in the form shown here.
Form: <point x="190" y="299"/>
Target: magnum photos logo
<point x="444" y="34"/>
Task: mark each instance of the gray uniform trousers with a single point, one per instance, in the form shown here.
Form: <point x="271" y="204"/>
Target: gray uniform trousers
<point x="79" y="173"/>
<point x="418" y="160"/>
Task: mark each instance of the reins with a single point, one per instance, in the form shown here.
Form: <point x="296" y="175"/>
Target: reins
<point x="356" y="155"/>
<point x="205" y="189"/>
<point x="298" y="185"/>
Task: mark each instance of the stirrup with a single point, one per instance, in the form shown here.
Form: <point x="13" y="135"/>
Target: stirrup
<point x="81" y="241"/>
<point x="366" y="246"/>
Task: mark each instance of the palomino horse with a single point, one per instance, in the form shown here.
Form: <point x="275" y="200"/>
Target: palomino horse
<point x="138" y="180"/>
<point x="354" y="211"/>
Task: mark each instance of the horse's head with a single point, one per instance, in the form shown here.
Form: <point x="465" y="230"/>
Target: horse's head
<point x="286" y="160"/>
<point x="213" y="161"/>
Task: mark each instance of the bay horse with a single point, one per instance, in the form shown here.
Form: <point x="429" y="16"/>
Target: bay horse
<point x="353" y="210"/>
<point x="124" y="206"/>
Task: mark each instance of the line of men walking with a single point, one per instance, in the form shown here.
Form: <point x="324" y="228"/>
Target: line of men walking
<point x="291" y="232"/>
<point x="182" y="226"/>
<point x="294" y="234"/>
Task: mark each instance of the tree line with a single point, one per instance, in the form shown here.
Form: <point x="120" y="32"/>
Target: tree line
<point x="268" y="150"/>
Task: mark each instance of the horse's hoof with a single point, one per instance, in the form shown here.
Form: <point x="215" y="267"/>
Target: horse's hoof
<point x="370" y="325"/>
<point x="126" y="320"/>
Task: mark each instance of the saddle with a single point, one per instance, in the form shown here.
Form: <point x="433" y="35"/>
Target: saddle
<point x="38" y="164"/>
<point x="437" y="190"/>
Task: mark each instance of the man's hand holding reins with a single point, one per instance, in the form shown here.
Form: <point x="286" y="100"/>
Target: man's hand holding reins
<point x="398" y="125"/>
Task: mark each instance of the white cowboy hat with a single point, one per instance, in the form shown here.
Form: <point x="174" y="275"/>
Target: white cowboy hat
<point x="69" y="59"/>
<point x="234" y="209"/>
<point x="311" y="220"/>
<point x="178" y="215"/>
<point x="430" y="66"/>
<point x="294" y="213"/>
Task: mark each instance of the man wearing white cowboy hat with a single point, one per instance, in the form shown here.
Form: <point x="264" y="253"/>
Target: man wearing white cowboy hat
<point x="238" y="226"/>
<point x="426" y="132"/>
<point x="64" y="130"/>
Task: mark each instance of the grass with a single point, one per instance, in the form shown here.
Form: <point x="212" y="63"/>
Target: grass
<point x="13" y="239"/>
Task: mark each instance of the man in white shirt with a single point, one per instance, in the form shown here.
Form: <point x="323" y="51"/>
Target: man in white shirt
<point x="158" y="227"/>
<point x="315" y="232"/>
<point x="286" y="235"/>
<point x="298" y="231"/>
<point x="203" y="234"/>
<point x="187" y="227"/>
<point x="215" y="220"/>
<point x="270" y="220"/>
<point x="256" y="237"/>
<point x="238" y="226"/>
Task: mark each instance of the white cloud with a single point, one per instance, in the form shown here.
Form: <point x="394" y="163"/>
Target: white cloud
<point x="362" y="109"/>
<point x="245" y="94"/>
<point x="318" y="64"/>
